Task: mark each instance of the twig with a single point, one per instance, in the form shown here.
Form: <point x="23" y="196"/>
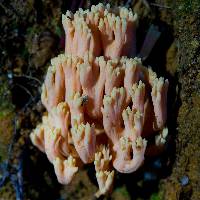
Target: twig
<point x="146" y="4"/>
<point x="129" y="3"/>
<point x="28" y="77"/>
<point x="26" y="90"/>
<point x="160" y="6"/>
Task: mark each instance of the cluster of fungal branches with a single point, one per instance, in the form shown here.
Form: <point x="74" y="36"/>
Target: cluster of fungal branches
<point x="102" y="103"/>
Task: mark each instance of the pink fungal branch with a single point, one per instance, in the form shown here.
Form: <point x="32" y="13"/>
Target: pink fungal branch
<point x="94" y="91"/>
<point x="101" y="30"/>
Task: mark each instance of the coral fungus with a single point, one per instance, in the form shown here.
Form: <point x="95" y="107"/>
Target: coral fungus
<point x="102" y="103"/>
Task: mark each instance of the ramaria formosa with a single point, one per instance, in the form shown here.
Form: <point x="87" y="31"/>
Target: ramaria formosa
<point x="101" y="104"/>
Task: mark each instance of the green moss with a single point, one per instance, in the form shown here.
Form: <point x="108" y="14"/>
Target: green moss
<point x="155" y="196"/>
<point x="121" y="193"/>
<point x="33" y="30"/>
<point x="5" y="101"/>
<point x="188" y="6"/>
<point x="56" y="26"/>
<point x="7" y="192"/>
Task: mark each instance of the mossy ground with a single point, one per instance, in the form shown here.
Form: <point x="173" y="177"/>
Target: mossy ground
<point x="32" y="33"/>
<point x="6" y="118"/>
<point x="184" y="182"/>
